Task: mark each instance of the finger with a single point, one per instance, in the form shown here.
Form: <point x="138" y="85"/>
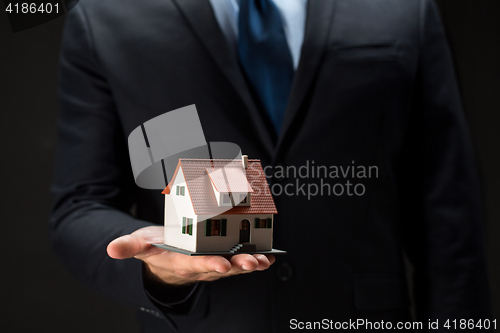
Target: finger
<point x="207" y="264"/>
<point x="263" y="262"/>
<point x="244" y="262"/>
<point x="189" y="267"/>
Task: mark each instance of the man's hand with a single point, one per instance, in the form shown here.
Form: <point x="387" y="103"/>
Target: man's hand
<point x="178" y="269"/>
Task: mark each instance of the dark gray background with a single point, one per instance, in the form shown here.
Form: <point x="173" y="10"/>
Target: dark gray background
<point x="38" y="294"/>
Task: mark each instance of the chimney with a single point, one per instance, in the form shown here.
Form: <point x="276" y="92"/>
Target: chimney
<point x="244" y="160"/>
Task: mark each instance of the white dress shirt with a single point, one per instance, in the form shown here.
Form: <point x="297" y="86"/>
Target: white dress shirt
<point x="293" y="15"/>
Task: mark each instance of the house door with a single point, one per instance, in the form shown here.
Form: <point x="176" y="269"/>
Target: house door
<point x="245" y="231"/>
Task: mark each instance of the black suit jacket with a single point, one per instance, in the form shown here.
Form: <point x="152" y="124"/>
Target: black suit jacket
<point x="375" y="85"/>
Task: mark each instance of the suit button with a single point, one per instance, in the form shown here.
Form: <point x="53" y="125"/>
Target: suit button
<point x="284" y="272"/>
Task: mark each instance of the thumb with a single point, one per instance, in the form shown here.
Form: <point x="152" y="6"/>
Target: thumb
<point x="126" y="246"/>
<point x="137" y="244"/>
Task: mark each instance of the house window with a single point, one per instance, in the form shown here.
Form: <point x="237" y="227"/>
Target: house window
<point x="263" y="223"/>
<point x="187" y="226"/>
<point x="226" y="198"/>
<point x="215" y="229"/>
<point x="243" y="198"/>
<point x="180" y="190"/>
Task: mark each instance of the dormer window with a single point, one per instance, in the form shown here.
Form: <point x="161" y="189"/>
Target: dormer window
<point x="234" y="199"/>
<point x="244" y="199"/>
<point x="230" y="185"/>
<point x="226" y="198"/>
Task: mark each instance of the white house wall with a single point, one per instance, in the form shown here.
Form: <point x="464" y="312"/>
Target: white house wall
<point x="177" y="207"/>
<point x="261" y="237"/>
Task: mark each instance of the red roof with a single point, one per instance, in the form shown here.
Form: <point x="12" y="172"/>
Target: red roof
<point x="200" y="173"/>
<point x="230" y="179"/>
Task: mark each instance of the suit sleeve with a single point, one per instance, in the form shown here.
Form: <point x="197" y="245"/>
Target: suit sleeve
<point x="445" y="241"/>
<point x="93" y="185"/>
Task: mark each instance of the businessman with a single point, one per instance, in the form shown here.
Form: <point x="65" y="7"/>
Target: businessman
<point x="293" y="83"/>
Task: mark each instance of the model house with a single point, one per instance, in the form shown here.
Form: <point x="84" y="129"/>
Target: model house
<point x="215" y="205"/>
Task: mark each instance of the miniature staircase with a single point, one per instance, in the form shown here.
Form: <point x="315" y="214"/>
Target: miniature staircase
<point x="243" y="248"/>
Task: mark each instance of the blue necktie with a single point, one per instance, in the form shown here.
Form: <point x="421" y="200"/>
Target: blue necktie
<point x="265" y="57"/>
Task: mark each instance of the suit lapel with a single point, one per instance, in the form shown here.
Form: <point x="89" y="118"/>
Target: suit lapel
<point x="318" y="22"/>
<point x="200" y="17"/>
